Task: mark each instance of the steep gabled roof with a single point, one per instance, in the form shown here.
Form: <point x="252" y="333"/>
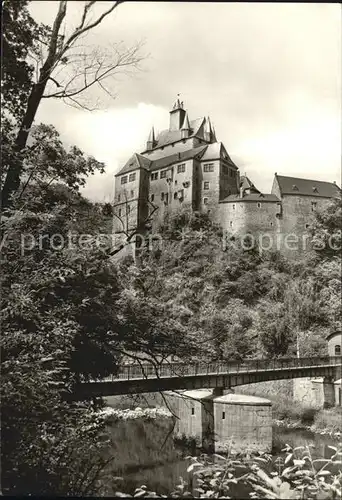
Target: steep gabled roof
<point x="307" y="187"/>
<point x="215" y="151"/>
<point x="136" y="161"/>
<point x="177" y="158"/>
<point x="167" y="136"/>
<point x="246" y="183"/>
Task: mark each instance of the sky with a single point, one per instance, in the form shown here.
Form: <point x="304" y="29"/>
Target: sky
<point x="268" y="75"/>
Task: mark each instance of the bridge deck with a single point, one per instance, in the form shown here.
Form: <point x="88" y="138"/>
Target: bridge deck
<point x="173" y="370"/>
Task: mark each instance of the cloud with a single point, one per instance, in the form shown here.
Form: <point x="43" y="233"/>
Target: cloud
<point x="269" y="76"/>
<point x="112" y="137"/>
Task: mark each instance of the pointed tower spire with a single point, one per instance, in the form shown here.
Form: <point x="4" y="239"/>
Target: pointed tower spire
<point x="213" y="134"/>
<point x="151" y="141"/>
<point x="185" y="130"/>
<point x="186" y="123"/>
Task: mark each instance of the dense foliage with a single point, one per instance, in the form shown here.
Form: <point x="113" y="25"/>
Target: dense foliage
<point x="69" y="313"/>
<point x="242" y="303"/>
<point x="295" y="475"/>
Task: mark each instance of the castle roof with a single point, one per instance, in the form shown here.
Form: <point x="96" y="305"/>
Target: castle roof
<point x="246" y="183"/>
<point x="176" y="157"/>
<point x="307" y="187"/>
<point x="216" y="150"/>
<point x="136" y="161"/>
<point x="260" y="197"/>
<point x="167" y="136"/>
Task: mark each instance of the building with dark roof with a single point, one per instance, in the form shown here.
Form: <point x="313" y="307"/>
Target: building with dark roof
<point x="185" y="166"/>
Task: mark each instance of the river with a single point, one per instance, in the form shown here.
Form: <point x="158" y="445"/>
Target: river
<point x="163" y="478"/>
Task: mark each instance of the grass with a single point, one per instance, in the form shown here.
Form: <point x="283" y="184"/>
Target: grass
<point x="294" y="411"/>
<point x="330" y="420"/>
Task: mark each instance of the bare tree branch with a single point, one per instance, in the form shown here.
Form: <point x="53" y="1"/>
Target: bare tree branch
<point x="83" y="29"/>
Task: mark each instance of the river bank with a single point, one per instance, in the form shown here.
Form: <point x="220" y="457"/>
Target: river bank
<point x="285" y="411"/>
<point x="163" y="478"/>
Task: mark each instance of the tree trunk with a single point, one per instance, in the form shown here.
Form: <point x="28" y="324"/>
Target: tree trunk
<point x="12" y="180"/>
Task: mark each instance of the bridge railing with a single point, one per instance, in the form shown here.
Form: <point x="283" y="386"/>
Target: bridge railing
<point x="167" y="370"/>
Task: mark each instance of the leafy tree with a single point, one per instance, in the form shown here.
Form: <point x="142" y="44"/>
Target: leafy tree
<point x="326" y="230"/>
<point x="274" y="331"/>
<point x="55" y="55"/>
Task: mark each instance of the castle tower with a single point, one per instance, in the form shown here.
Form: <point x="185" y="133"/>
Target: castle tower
<point x="177" y="115"/>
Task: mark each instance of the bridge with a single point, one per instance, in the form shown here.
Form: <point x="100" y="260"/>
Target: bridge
<point x="146" y="377"/>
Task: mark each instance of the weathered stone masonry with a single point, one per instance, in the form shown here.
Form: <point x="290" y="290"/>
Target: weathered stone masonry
<point x="185" y="166"/>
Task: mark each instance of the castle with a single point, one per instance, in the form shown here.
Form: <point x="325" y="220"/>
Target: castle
<point x="185" y="166"/>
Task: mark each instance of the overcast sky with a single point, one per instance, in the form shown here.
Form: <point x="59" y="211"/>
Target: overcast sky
<point x="268" y="75"/>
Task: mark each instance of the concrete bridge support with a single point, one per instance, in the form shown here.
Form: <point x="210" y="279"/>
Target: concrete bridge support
<point x="219" y="421"/>
<point x="316" y="392"/>
<point x="328" y="392"/>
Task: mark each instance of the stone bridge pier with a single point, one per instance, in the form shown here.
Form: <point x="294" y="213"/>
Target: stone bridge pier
<point x="320" y="392"/>
<point x="218" y="421"/>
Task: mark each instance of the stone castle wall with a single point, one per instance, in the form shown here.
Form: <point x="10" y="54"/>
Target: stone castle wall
<point x="249" y="217"/>
<point x="297" y="216"/>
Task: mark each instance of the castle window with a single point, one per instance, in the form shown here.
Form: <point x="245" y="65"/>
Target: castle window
<point x="175" y="196"/>
<point x="206" y="185"/>
<point x="154" y="176"/>
<point x="181" y="193"/>
<point x="231" y="223"/>
<point x="119" y="197"/>
<point x="152" y="197"/>
<point x="225" y="169"/>
<point x="120" y="211"/>
<point x="162" y="196"/>
<point x="230" y="173"/>
<point x="124" y="179"/>
<point x="313" y="206"/>
<point x="337" y="350"/>
<point x="205" y="201"/>
<point x="271" y="223"/>
<point x="208" y="167"/>
<point x="132" y="177"/>
<point x="176" y="182"/>
<point x="294" y="187"/>
<point x="223" y="415"/>
<point x="307" y="226"/>
<point x="259" y="205"/>
<point x="166" y="200"/>
<point x="181" y="168"/>
<point x="192" y="411"/>
<point x="233" y="206"/>
<point x="128" y="209"/>
<point x="163" y="174"/>
<point x="132" y="193"/>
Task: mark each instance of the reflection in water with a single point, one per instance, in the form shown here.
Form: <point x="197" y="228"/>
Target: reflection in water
<point x="163" y="478"/>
